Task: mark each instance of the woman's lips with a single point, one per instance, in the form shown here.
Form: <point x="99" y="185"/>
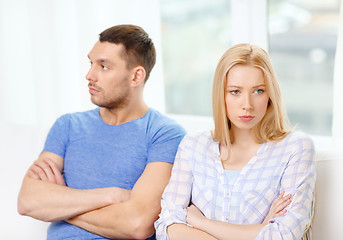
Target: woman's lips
<point x="246" y="118"/>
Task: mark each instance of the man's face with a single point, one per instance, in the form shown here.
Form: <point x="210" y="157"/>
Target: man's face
<point x="109" y="78"/>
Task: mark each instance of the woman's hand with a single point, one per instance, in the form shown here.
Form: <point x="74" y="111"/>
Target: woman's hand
<point x="195" y="216"/>
<point x="277" y="208"/>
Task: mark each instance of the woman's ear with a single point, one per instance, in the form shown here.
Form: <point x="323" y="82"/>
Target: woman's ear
<point x="138" y="76"/>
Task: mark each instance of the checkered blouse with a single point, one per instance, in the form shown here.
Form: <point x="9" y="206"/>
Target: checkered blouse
<point x="198" y="176"/>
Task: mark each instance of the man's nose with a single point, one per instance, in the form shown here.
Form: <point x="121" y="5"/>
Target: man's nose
<point x="91" y="75"/>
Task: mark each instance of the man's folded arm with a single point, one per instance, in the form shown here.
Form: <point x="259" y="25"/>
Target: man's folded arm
<point x="45" y="200"/>
<point x="132" y="219"/>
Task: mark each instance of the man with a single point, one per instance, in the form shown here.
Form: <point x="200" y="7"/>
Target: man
<point x="102" y="172"/>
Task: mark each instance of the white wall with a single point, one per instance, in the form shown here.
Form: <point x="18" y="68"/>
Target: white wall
<point x="337" y="125"/>
<point x="43" y="63"/>
<point x="19" y="145"/>
<point x="44" y="46"/>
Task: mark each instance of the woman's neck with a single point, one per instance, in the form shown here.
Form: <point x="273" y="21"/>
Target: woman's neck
<point x="243" y="147"/>
<point x="240" y="137"/>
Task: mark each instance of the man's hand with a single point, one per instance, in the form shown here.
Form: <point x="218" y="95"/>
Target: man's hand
<point x="142" y="208"/>
<point x="62" y="202"/>
<point x="46" y="170"/>
<point x="277" y="208"/>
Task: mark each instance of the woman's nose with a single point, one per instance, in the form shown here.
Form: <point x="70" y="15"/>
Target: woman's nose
<point x="247" y="104"/>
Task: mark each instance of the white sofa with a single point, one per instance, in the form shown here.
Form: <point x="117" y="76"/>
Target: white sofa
<point x="20" y="145"/>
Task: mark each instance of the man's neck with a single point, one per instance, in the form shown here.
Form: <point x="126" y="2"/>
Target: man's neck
<point x="123" y="115"/>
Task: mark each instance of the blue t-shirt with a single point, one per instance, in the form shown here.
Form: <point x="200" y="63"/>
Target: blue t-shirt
<point x="98" y="155"/>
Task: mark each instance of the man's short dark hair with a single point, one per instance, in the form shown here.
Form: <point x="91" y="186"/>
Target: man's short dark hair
<point x="139" y="48"/>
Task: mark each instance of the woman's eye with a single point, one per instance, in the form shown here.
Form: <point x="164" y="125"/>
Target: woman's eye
<point x="104" y="67"/>
<point x="234" y="92"/>
<point x="259" y="91"/>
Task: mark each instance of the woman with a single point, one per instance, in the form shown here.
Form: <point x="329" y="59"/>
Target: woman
<point x="232" y="175"/>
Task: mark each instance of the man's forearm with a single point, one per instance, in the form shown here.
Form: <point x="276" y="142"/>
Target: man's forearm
<point x="123" y="220"/>
<point x="52" y="202"/>
<point x="134" y="218"/>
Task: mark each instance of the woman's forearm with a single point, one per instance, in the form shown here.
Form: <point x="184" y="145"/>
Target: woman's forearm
<point x="181" y="231"/>
<point x="229" y="231"/>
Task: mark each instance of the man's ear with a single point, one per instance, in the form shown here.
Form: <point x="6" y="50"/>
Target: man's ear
<point x="138" y="76"/>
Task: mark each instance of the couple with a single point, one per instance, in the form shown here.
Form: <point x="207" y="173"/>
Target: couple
<point x="102" y="172"/>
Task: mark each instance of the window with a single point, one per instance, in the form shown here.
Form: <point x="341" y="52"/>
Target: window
<point x="303" y="38"/>
<point x="195" y="33"/>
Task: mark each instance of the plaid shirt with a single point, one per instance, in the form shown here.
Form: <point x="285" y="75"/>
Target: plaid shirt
<point x="198" y="177"/>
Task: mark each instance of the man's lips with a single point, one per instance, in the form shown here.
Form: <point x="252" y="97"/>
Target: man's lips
<point x="246" y="118"/>
<point x="93" y="90"/>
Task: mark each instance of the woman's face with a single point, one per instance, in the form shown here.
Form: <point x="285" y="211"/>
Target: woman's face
<point x="246" y="97"/>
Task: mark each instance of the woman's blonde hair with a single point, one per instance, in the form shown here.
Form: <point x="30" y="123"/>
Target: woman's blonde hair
<point x="272" y="127"/>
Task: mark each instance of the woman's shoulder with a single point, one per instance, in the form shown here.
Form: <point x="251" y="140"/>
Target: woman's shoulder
<point x="298" y="138"/>
<point x="198" y="137"/>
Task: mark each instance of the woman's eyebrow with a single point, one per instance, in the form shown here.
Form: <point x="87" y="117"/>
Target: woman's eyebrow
<point x="261" y="85"/>
<point x="233" y="86"/>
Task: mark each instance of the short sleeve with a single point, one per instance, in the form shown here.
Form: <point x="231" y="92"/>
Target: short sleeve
<point x="58" y="137"/>
<point x="164" y="143"/>
<point x="299" y="180"/>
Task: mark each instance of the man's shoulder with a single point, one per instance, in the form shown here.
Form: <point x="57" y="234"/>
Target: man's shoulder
<point x="87" y="113"/>
<point x="75" y="116"/>
<point x="158" y="120"/>
<point x="161" y="128"/>
<point x="153" y="115"/>
<point x="78" y="119"/>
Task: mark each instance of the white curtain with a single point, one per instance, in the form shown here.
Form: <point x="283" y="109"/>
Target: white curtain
<point x="43" y="54"/>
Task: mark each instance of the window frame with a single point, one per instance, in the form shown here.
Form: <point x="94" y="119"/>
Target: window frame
<point x="250" y="25"/>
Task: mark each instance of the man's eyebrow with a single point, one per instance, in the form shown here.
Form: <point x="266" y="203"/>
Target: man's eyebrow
<point x="100" y="60"/>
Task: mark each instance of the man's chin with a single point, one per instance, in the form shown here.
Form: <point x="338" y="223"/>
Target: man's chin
<point x="95" y="102"/>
